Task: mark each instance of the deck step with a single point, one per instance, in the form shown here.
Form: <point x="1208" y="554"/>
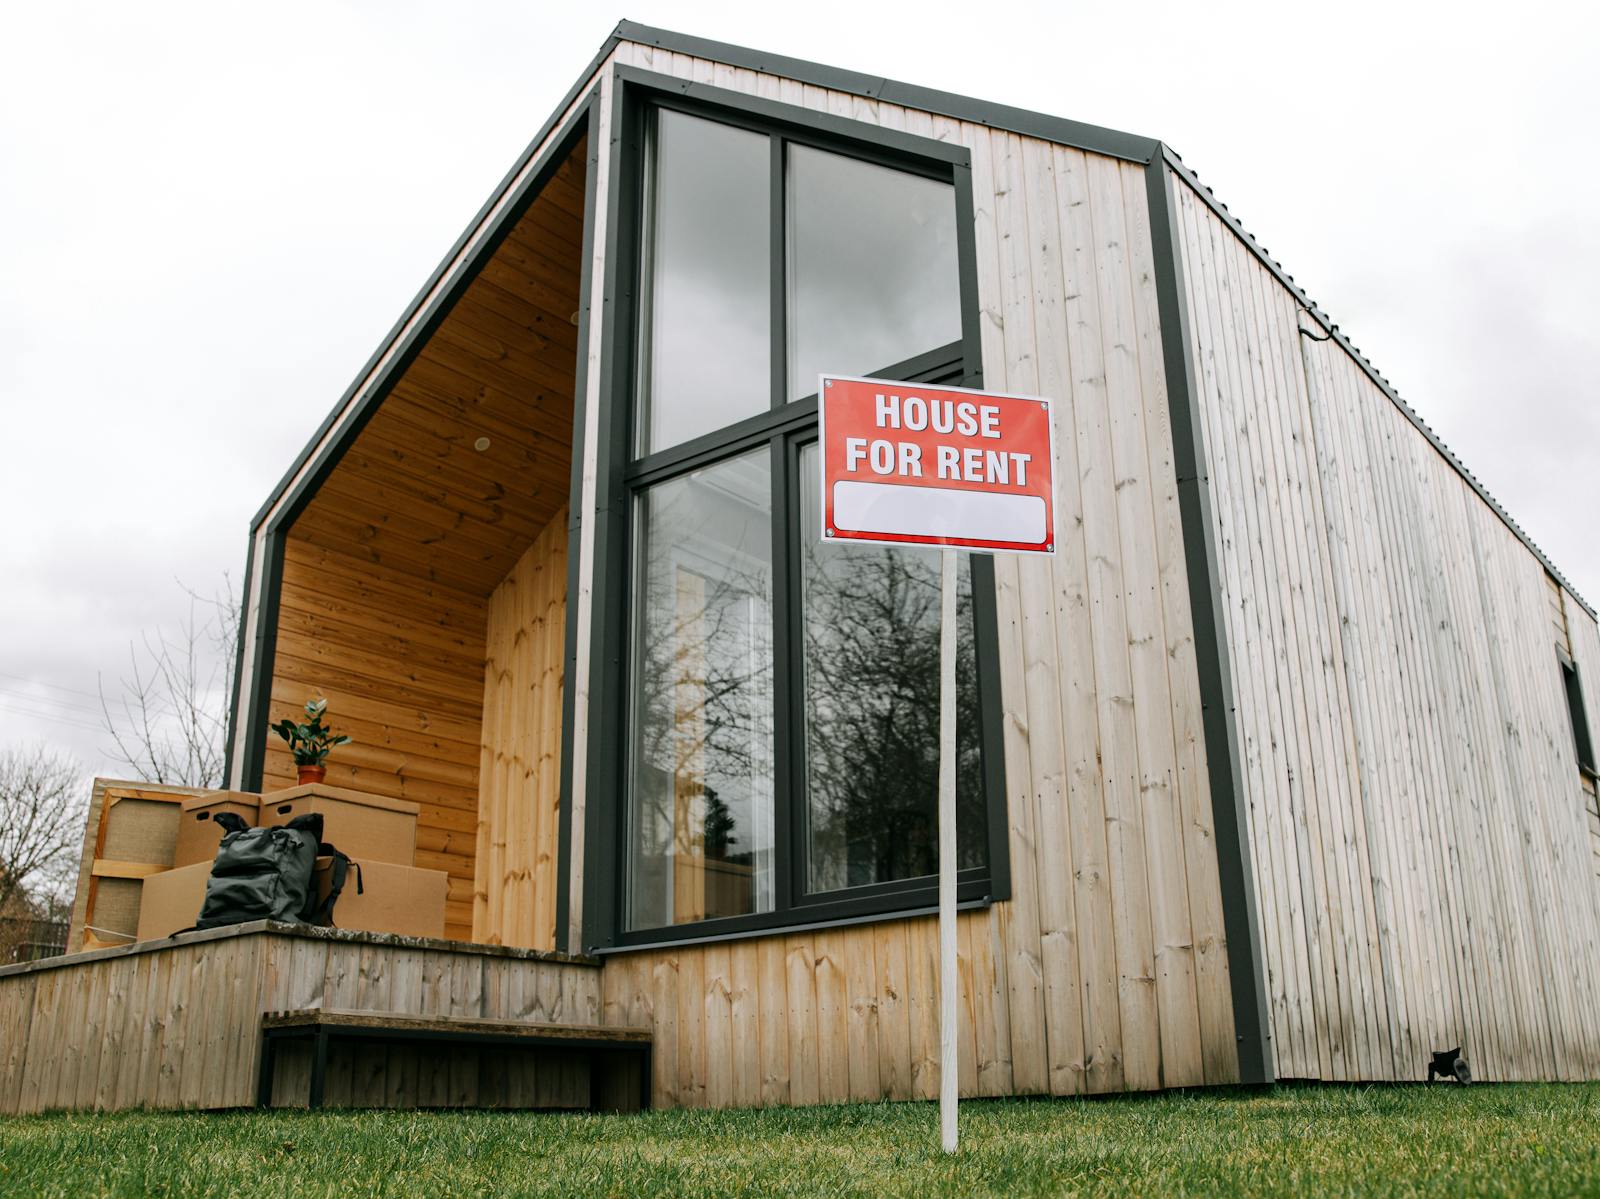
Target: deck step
<point x="342" y="1020"/>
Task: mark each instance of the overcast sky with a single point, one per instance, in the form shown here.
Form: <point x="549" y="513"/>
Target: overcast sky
<point x="211" y="214"/>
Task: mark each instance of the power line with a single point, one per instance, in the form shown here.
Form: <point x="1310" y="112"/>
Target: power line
<point x="53" y="686"/>
<point x="20" y="693"/>
<point x="37" y="715"/>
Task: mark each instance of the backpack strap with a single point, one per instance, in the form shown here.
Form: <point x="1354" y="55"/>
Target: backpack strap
<point x="307" y="822"/>
<point x="230" y="822"/>
<point x="322" y="913"/>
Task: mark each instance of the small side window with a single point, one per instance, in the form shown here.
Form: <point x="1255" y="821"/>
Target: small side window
<point x="1580" y="721"/>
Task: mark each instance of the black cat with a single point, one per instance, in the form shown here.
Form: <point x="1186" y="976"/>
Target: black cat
<point x="1449" y="1064"/>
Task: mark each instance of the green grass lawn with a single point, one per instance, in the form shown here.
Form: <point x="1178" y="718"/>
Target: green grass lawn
<point x="1484" y="1140"/>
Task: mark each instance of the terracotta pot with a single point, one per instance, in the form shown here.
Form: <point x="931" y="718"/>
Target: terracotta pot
<point x="312" y="774"/>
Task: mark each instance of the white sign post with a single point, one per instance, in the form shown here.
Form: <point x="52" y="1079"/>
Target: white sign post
<point x="947" y="850"/>
<point x="904" y="464"/>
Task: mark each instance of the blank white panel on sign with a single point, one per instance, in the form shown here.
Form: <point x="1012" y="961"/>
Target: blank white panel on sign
<point x="937" y="512"/>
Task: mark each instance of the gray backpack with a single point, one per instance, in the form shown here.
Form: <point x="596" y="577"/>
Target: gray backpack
<point x="266" y="874"/>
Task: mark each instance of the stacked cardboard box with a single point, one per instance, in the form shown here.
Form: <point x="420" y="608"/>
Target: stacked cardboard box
<point x="198" y="832"/>
<point x="379" y="835"/>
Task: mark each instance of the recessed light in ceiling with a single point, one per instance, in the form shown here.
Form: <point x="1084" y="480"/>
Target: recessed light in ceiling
<point x="481" y="444"/>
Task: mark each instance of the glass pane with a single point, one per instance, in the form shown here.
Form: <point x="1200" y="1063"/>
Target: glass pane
<point x="708" y="331"/>
<point x="872" y="709"/>
<point x="872" y="267"/>
<point x="700" y="788"/>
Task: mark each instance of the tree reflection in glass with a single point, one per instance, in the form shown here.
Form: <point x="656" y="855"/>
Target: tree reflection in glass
<point x="700" y="793"/>
<point x="872" y="709"/>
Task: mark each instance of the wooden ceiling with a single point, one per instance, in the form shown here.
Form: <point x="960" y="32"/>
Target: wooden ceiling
<point x="412" y="493"/>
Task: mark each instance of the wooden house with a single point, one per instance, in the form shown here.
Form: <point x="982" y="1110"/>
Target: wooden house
<point x="1279" y="768"/>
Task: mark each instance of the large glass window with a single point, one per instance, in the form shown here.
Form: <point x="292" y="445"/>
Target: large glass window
<point x="871" y="709"/>
<point x="707" y="334"/>
<point x="782" y="731"/>
<point x="872" y="267"/>
<point x="700" y="820"/>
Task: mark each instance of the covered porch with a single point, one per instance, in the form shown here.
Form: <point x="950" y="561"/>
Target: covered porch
<point x="418" y="578"/>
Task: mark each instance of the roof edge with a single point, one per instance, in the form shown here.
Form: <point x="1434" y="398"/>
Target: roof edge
<point x="1096" y="138"/>
<point x="1177" y="165"/>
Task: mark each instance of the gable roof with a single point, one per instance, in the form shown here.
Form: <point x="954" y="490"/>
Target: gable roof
<point x="1094" y="138"/>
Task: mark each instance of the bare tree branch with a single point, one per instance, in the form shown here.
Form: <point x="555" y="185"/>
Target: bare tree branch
<point x="169" y="723"/>
<point x="41" y="824"/>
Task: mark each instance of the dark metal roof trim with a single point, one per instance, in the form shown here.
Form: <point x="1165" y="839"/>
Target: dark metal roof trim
<point x="1110" y="142"/>
<point x="1383" y="385"/>
<point x="1213" y="653"/>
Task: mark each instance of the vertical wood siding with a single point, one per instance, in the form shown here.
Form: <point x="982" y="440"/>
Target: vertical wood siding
<point x="1107" y="969"/>
<point x="520" y="772"/>
<point x="1584" y="639"/>
<point x="162" y="1026"/>
<point x="1416" y="816"/>
<point x="400" y="660"/>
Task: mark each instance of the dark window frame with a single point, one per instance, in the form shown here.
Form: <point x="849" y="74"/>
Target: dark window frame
<point x="1577" y="715"/>
<point x="621" y="475"/>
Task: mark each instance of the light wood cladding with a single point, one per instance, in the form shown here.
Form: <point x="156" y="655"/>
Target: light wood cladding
<point x="1417" y="819"/>
<point x="400" y="660"/>
<point x="164" y="1025"/>
<point x="413" y="494"/>
<point x="821" y="1017"/>
<point x="520" y="762"/>
<point x="1584" y="644"/>
<point x="1107" y="969"/>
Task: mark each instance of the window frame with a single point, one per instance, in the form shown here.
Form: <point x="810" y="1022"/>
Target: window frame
<point x="622" y="472"/>
<point x="1577" y="714"/>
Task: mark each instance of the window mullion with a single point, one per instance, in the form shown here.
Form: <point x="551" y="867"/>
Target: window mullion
<point x="799" y="781"/>
<point x="779" y="279"/>
<point x="784" y="745"/>
<point x="786" y="599"/>
<point x="794" y="683"/>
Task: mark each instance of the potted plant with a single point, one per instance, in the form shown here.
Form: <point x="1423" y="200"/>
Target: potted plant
<point x="310" y="741"/>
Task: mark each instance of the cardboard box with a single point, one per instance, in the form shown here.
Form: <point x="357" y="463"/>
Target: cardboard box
<point x="373" y="828"/>
<point x="393" y="899"/>
<point x="199" y="834"/>
<point x="171" y="901"/>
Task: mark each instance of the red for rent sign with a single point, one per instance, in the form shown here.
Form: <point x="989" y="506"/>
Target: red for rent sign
<point x="903" y="463"/>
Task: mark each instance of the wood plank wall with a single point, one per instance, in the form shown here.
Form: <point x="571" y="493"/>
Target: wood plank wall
<point x="519" y="802"/>
<point x="1107" y="970"/>
<point x="179" y="1026"/>
<point x="1583" y="640"/>
<point x="400" y="659"/>
<point x="1416" y="818"/>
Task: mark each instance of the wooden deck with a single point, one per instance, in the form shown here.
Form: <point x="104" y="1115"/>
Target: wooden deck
<point x="177" y="1023"/>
